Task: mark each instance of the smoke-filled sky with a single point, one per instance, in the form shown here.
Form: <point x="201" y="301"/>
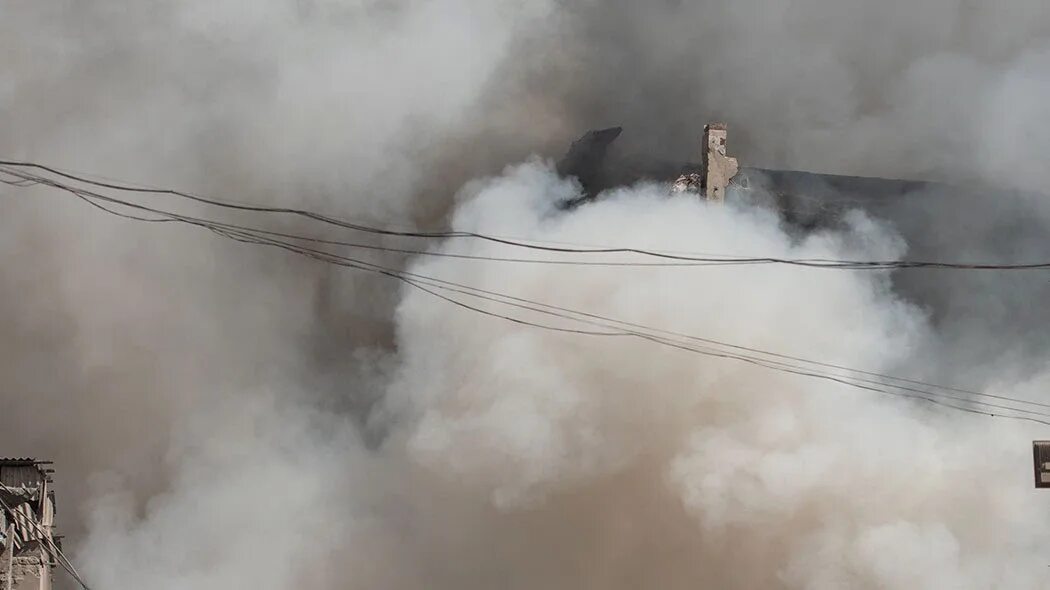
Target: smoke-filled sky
<point x="230" y="416"/>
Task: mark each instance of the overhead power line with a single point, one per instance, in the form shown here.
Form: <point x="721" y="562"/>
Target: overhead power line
<point x="422" y="282"/>
<point x="10" y="167"/>
<point x="970" y="401"/>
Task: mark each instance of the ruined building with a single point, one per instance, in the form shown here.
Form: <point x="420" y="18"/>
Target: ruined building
<point x="959" y="215"/>
<point x="27" y="511"/>
<point x="586" y="161"/>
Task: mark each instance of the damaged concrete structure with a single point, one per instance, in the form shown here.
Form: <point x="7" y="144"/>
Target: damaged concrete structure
<point x="976" y="222"/>
<point x="27" y="512"/>
<point x="586" y="158"/>
<point x="718" y="168"/>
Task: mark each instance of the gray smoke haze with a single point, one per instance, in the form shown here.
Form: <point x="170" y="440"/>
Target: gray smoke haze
<point x="225" y="416"/>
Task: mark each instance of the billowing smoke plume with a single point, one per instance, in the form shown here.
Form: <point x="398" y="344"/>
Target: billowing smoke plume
<point x="224" y="415"/>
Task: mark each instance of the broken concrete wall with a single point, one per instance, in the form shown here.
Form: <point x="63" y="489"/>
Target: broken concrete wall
<point x="27" y="572"/>
<point x="26" y="517"/>
<point x="719" y="168"/>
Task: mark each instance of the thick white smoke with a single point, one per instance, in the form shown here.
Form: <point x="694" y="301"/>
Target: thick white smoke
<point x="522" y="457"/>
<point x="786" y="481"/>
<point x="229" y="416"/>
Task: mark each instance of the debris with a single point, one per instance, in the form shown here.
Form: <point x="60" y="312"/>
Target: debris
<point x="688" y="183"/>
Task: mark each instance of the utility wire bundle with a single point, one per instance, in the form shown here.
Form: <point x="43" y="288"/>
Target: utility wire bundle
<point x="540" y="315"/>
<point x="20" y="170"/>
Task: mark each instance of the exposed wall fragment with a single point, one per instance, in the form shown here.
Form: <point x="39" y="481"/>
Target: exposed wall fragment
<point x="718" y="167"/>
<point x="27" y="511"/>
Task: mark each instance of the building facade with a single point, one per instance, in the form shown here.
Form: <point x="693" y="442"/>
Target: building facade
<point x="27" y="512"/>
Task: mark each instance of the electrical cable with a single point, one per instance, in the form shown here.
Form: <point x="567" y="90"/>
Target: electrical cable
<point x="242" y="233"/>
<point x="766" y="363"/>
<point x="535" y="245"/>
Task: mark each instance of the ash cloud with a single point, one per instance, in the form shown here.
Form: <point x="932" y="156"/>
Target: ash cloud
<point x="227" y="416"/>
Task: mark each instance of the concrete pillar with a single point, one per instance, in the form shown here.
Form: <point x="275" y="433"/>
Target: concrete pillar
<point x="9" y="558"/>
<point x="718" y="168"/>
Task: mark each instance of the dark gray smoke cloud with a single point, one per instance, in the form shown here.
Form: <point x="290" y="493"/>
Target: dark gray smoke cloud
<point x="226" y="416"/>
<point x="938" y="88"/>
